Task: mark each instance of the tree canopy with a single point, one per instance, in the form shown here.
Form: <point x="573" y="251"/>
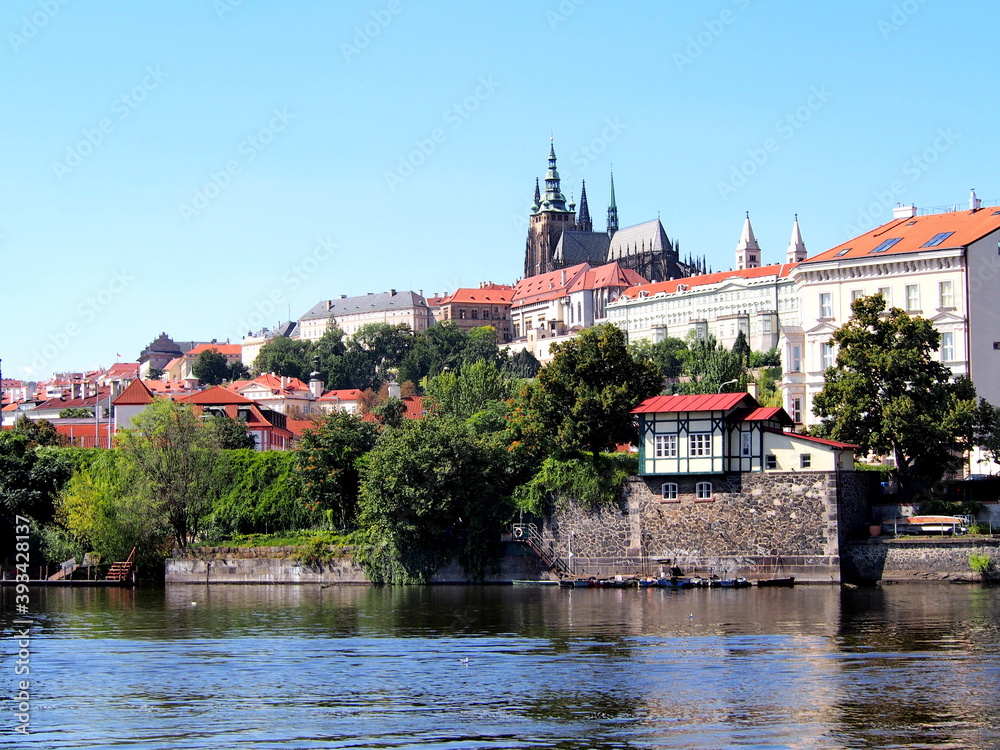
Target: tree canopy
<point x="210" y="367"/>
<point x="587" y="392"/>
<point x="890" y="396"/>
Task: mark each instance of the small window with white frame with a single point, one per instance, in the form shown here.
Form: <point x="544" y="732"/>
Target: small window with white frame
<point x="826" y="305"/>
<point x="664" y="446"/>
<point x="668" y="492"/>
<point x="912" y="297"/>
<point x="700" y="444"/>
<point x="703" y="491"/>
<point x="828" y="356"/>
<point x="946" y="292"/>
<point x="948" y="346"/>
<point x="805" y="460"/>
<point x="770" y="461"/>
<point x="746" y="444"/>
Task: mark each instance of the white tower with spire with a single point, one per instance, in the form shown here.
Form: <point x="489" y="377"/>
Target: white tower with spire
<point x="796" y="247"/>
<point x="747" y="251"/>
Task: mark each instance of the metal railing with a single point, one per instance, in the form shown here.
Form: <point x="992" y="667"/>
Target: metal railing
<point x="528" y="534"/>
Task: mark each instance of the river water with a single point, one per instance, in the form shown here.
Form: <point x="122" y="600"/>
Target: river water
<point x="914" y="666"/>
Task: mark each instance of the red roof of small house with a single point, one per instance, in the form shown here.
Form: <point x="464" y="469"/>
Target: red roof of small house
<point x="346" y="394"/>
<point x="123" y="369"/>
<point x="914" y="232"/>
<point x="706" y="402"/>
<point x="781" y="270"/>
<point x="767" y="414"/>
<point x="298" y="426"/>
<point x="821" y="441"/>
<point x="414" y="409"/>
<point x="135" y="394"/>
<point x="273" y="382"/>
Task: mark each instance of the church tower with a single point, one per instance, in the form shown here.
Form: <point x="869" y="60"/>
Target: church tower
<point x="747" y="251"/>
<point x="796" y="247"/>
<point x="612" y="209"/>
<point x="550" y="215"/>
<point x="583" y="222"/>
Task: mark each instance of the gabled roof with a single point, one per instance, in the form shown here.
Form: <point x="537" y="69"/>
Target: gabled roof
<point x="136" y="394"/>
<point x="582" y="247"/>
<point x="391" y="300"/>
<point x="767" y="414"/>
<point x="272" y="382"/>
<point x="123" y="369"/>
<point x="781" y="270"/>
<point x="639" y="238"/>
<point x="546" y="286"/>
<point x="346" y="394"/>
<point x="706" y="402"/>
<point x="913" y="232"/>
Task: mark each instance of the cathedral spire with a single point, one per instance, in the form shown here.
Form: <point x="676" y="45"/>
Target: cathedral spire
<point x="538" y="195"/>
<point x="747" y="251"/>
<point x="583" y="222"/>
<point x="796" y="247"/>
<point x="612" y="208"/>
<point x="553" y="199"/>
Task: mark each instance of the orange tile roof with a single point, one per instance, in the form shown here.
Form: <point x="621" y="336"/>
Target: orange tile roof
<point x="608" y="275"/>
<point x="136" y="394"/>
<point x="217" y="395"/>
<point x="781" y="270"/>
<point x="546" y="286"/>
<point x="914" y="232"/>
<point x="273" y="382"/>
<point x="480" y="296"/>
<point x="226" y="350"/>
<point x="347" y="394"/>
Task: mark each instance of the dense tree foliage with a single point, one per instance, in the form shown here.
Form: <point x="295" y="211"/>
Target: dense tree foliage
<point x="173" y="457"/>
<point x="708" y="365"/>
<point x="210" y="367"/>
<point x="668" y="355"/>
<point x="259" y="494"/>
<point x="30" y="477"/>
<point x="587" y="391"/>
<point x="470" y="390"/>
<point x="229" y="433"/>
<point x="888" y="394"/>
<point x="523" y="364"/>
<point x="327" y="464"/>
<point x="284" y="357"/>
<point x="38" y="432"/>
<point x="429" y="492"/>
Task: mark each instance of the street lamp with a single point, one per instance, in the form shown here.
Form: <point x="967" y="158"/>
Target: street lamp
<point x="728" y="382"/>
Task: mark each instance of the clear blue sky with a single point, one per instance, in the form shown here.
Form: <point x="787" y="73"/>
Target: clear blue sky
<point x="180" y="166"/>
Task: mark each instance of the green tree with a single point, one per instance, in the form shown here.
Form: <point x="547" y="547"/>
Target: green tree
<point x="155" y="373"/>
<point x="30" y="477"/>
<point x="230" y="434"/>
<point x="437" y="349"/>
<point x="889" y="396"/>
<point x="210" y="367"/>
<point x="481" y="346"/>
<point x="587" y="392"/>
<point x="236" y="370"/>
<point x="470" y="390"/>
<point x="988" y="429"/>
<point x="741" y="348"/>
<point x="709" y="365"/>
<point x="668" y="355"/>
<point x="523" y="364"/>
<point x="174" y="457"/>
<point x="327" y="464"/>
<point x="39" y="432"/>
<point x="76" y="412"/>
<point x="429" y="493"/>
<point x="284" y="357"/>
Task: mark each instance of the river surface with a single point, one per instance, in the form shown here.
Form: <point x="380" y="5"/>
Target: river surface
<point x="908" y="666"/>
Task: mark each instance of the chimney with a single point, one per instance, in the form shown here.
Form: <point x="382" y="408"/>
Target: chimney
<point x="974" y="202"/>
<point x="752" y="388"/>
<point x="315" y="385"/>
<point x="392" y="292"/>
<point x="329" y="304"/>
<point x="394" y="390"/>
<point x="563" y="276"/>
<point x="284" y="382"/>
<point x="904" y="212"/>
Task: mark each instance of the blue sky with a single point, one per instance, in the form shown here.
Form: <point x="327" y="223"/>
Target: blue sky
<point x="201" y="167"/>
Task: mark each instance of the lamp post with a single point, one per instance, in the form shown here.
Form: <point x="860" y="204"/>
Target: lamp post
<point x="728" y="382"/>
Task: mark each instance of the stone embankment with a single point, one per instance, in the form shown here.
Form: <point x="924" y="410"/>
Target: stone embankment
<point x="915" y="559"/>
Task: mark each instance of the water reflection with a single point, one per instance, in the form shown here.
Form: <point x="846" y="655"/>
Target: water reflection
<point x="442" y="667"/>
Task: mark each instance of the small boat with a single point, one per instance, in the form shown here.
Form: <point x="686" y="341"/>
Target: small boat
<point x="680" y="582"/>
<point x="928" y="525"/>
<point x="618" y="582"/>
<point x="728" y="583"/>
<point x="786" y="581"/>
<point x="648" y="582"/>
<point x="534" y="583"/>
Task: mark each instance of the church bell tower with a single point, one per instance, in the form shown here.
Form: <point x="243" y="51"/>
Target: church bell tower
<point x="550" y="216"/>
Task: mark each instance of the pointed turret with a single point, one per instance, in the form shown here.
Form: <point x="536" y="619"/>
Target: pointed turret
<point x="553" y="198"/>
<point x="747" y="251"/>
<point x="538" y="197"/>
<point x="550" y="217"/>
<point x="583" y="222"/>
<point x="612" y="209"/>
<point x="796" y="247"/>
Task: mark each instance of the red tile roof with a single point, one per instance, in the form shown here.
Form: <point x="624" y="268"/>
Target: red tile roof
<point x="767" y="414"/>
<point x="226" y="350"/>
<point x="480" y="296"/>
<point x="267" y="380"/>
<point x="347" y="394"/>
<point x="214" y="396"/>
<point x="546" y="286"/>
<point x="123" y="369"/>
<point x="707" y="402"/>
<point x="136" y="394"/>
<point x="608" y="275"/>
<point x="914" y="232"/>
<point x="781" y="270"/>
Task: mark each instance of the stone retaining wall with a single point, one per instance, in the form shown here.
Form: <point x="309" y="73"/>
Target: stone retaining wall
<point x="915" y="558"/>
